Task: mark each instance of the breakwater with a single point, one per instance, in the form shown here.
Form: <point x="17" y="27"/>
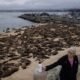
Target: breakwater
<point x="55" y="18"/>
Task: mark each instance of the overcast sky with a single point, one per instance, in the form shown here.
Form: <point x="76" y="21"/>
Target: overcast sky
<point x="39" y="4"/>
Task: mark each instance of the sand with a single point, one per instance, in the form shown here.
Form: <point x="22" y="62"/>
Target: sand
<point x="27" y="74"/>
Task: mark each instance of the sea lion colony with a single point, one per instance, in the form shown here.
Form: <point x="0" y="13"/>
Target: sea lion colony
<point x="35" y="42"/>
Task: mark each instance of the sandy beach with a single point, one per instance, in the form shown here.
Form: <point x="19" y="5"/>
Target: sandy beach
<point x="22" y="49"/>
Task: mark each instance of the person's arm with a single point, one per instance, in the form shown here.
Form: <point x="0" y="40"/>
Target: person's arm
<point x="59" y="62"/>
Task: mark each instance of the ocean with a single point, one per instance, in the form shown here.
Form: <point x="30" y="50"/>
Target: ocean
<point x="11" y="20"/>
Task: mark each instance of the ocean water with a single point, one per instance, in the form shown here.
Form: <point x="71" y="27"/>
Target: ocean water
<point x="11" y="20"/>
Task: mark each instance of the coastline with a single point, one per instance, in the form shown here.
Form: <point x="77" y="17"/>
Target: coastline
<point x="46" y="42"/>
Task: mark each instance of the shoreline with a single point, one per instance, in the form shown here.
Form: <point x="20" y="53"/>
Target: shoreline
<point x="27" y="46"/>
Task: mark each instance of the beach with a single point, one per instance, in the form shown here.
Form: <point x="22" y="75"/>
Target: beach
<point x="23" y="48"/>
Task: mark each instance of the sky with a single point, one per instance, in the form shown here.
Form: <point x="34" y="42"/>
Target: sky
<point x="39" y="4"/>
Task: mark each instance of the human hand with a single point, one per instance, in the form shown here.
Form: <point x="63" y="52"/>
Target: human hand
<point x="43" y="68"/>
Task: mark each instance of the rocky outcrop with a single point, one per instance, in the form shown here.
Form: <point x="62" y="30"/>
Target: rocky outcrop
<point x="38" y="18"/>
